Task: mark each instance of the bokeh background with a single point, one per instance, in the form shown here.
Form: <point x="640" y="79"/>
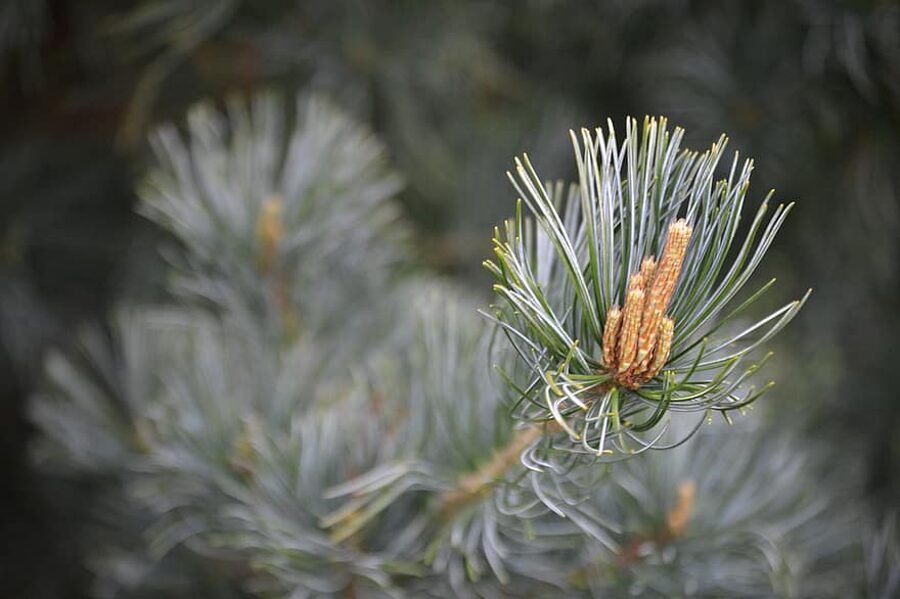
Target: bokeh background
<point x="809" y="88"/>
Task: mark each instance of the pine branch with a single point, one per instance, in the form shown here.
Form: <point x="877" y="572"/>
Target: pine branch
<point x="476" y="485"/>
<point x="692" y="518"/>
<point x="344" y="459"/>
<point x="612" y="340"/>
<point x="229" y="443"/>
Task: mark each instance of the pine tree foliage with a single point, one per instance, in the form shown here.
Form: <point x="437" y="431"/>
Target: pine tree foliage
<point x="808" y="86"/>
<point x="568" y="280"/>
<point x="736" y="513"/>
<point x="94" y="409"/>
<point x="439" y="493"/>
<point x="882" y="559"/>
<point x="268" y="205"/>
<point x="203" y="413"/>
<point x="318" y="422"/>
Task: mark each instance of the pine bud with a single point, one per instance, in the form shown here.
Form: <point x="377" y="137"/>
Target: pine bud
<point x="610" y="336"/>
<point x="631" y="322"/>
<point x="269" y="231"/>
<point x="636" y="342"/>
<point x="663" y="346"/>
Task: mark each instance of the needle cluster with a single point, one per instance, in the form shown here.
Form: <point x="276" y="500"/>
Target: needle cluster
<point x="611" y="340"/>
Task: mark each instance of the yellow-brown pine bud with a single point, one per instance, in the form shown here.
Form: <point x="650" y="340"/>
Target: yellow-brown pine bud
<point x="670" y="263"/>
<point x="638" y="338"/>
<point x="636" y="282"/>
<point x="269" y="231"/>
<point x="647" y="337"/>
<point x="631" y="324"/>
<point x="663" y="347"/>
<point x="610" y="336"/>
<point x="662" y="288"/>
<point x="648" y="269"/>
<point x="678" y="517"/>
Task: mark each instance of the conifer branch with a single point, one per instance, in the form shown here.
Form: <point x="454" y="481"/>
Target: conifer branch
<point x="475" y="485"/>
<point x="586" y="306"/>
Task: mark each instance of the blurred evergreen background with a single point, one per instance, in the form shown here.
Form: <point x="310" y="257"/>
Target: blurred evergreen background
<point x="809" y="88"/>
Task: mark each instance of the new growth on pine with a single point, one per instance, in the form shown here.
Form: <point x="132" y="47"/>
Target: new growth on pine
<point x="618" y="294"/>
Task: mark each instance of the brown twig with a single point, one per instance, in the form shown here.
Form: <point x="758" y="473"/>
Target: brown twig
<point x="476" y="485"/>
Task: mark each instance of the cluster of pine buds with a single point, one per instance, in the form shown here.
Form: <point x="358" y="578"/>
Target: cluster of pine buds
<point x="638" y="337"/>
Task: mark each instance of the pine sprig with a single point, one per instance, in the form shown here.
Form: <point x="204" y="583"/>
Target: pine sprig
<point x="735" y="513"/>
<point x="574" y="273"/>
<point x="283" y="214"/>
<point x="456" y="492"/>
<point x="224" y="420"/>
